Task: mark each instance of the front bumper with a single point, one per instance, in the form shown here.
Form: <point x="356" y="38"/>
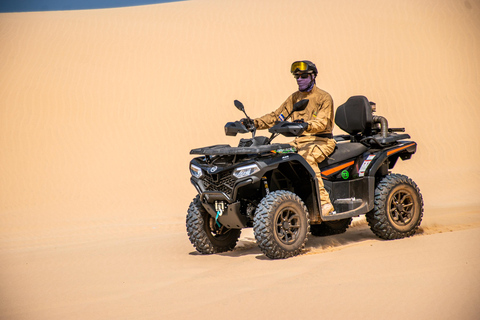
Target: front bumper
<point x="232" y="217"/>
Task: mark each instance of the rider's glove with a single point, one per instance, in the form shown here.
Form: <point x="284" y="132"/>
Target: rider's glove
<point x="248" y="123"/>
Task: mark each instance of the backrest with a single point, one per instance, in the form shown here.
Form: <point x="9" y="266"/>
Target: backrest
<point x="355" y="116"/>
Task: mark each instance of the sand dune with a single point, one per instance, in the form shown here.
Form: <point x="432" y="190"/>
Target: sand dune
<point x="99" y="109"/>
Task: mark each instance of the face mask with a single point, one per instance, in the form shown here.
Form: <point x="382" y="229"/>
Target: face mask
<point x="305" y="83"/>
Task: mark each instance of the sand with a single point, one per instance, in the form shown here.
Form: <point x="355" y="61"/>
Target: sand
<point x="99" y="109"/>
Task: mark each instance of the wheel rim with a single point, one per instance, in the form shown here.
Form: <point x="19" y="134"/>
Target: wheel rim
<point x="401" y="208"/>
<point x="288" y="226"/>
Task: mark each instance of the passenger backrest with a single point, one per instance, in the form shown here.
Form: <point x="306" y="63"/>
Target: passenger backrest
<point x="355" y="116"/>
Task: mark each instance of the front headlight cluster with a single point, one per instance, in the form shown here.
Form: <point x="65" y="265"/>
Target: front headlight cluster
<point x="195" y="171"/>
<point x="245" y="171"/>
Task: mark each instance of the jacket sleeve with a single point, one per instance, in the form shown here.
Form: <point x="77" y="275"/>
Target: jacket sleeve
<point x="268" y="120"/>
<point x="323" y="117"/>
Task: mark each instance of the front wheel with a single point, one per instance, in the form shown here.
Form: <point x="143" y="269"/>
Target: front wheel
<point x="281" y="225"/>
<point x="205" y="235"/>
<point x="398" y="208"/>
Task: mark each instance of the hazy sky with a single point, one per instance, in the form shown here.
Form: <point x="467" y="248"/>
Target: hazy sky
<point x="47" y="5"/>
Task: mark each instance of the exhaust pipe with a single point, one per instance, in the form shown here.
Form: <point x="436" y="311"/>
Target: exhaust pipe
<point x="383" y="124"/>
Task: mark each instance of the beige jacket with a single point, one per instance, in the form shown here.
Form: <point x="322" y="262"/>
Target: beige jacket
<point x="318" y="113"/>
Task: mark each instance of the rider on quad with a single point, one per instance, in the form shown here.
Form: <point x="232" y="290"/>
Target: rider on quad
<point x="317" y="141"/>
<point x="279" y="190"/>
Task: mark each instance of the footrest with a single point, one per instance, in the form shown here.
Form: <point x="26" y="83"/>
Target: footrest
<point x="360" y="209"/>
<point x="347" y="204"/>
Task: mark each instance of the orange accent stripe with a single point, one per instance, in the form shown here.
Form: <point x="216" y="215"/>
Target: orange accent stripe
<point x="340" y="167"/>
<point x="398" y="149"/>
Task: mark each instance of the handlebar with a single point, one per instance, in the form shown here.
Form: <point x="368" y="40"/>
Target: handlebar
<point x="232" y="128"/>
<point x="289" y="129"/>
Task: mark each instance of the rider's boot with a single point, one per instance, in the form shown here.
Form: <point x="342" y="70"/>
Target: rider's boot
<point x="327" y="209"/>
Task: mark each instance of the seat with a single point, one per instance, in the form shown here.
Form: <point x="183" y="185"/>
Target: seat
<point x="355" y="116"/>
<point x="343" y="151"/>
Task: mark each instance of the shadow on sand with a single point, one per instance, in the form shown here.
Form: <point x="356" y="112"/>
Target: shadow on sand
<point x="357" y="233"/>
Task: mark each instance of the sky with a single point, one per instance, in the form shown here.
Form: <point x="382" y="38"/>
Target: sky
<point x="54" y="5"/>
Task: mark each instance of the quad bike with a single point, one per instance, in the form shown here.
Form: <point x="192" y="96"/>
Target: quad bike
<point x="271" y="188"/>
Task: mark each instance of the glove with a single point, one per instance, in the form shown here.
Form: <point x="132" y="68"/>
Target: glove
<point x="303" y="123"/>
<point x="248" y="123"/>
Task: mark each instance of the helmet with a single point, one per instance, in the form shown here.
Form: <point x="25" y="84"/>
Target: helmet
<point x="304" y="66"/>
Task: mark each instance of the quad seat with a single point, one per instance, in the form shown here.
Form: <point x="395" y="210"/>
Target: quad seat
<point x="343" y="151"/>
<point x="353" y="117"/>
<point x="356" y="118"/>
<point x="364" y="130"/>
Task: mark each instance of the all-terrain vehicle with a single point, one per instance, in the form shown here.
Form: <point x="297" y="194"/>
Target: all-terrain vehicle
<point x="269" y="187"/>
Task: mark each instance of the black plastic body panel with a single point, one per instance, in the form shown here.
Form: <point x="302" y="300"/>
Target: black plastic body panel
<point x="388" y="156"/>
<point x="350" y="198"/>
<point x="231" y="217"/>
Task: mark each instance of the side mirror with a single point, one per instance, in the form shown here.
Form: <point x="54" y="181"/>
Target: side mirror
<point x="239" y="105"/>
<point x="300" y="105"/>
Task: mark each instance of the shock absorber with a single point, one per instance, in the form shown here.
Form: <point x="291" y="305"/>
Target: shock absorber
<point x="265" y="184"/>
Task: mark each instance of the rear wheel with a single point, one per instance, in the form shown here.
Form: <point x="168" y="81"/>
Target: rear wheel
<point x="398" y="208"/>
<point x="281" y="225"/>
<point x="205" y="235"/>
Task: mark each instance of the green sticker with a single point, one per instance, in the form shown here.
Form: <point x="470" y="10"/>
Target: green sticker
<point x="286" y="150"/>
<point x="345" y="174"/>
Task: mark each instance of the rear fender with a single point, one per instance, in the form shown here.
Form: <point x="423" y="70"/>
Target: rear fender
<point x="387" y="158"/>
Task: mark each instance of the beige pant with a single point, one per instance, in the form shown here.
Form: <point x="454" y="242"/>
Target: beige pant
<point x="314" y="150"/>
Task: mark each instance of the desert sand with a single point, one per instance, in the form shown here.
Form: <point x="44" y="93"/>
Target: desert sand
<point x="100" y="108"/>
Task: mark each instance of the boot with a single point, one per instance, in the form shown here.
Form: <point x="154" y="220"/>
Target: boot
<point x="327" y="209"/>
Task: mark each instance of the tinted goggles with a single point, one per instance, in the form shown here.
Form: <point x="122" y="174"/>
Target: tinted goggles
<point x="303" y="75"/>
<point x="299" y="66"/>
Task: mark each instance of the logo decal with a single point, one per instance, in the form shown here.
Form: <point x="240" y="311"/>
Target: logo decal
<point x="213" y="169"/>
<point x="345" y="174"/>
<point x="365" y="165"/>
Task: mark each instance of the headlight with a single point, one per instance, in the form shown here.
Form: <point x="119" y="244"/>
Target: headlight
<point x="245" y="171"/>
<point x="195" y="171"/>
